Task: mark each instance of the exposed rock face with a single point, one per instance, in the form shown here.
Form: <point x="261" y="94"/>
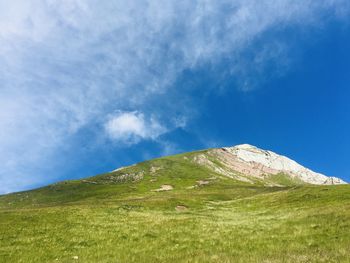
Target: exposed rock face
<point x="334" y="180"/>
<point x="252" y="161"/>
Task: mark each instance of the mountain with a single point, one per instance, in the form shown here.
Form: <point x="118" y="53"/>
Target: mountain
<point x="231" y="204"/>
<point x="250" y="164"/>
<point x="244" y="161"/>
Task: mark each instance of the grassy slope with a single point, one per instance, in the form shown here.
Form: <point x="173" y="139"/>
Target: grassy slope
<point x="104" y="220"/>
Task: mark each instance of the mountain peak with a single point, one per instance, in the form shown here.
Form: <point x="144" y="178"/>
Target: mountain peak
<point x="245" y="146"/>
<point x="251" y="160"/>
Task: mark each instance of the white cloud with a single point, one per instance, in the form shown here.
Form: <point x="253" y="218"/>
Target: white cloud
<point x="131" y="127"/>
<point x="66" y="65"/>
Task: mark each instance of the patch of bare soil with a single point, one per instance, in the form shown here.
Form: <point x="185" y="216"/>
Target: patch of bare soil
<point x="164" y="187"/>
<point x="181" y="208"/>
<point x="202" y="182"/>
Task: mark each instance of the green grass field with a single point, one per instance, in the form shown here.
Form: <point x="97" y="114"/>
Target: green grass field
<point x="116" y="218"/>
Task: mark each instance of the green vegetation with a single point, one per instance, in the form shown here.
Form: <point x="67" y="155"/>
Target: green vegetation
<point x="283" y="179"/>
<point x="206" y="217"/>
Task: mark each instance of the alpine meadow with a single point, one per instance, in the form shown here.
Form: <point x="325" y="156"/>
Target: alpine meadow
<point x="192" y="207"/>
<point x="174" y="131"/>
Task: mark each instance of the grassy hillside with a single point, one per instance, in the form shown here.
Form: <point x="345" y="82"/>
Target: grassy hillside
<point x="125" y="216"/>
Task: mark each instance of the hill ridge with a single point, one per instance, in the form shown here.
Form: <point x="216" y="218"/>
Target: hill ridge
<point x="248" y="163"/>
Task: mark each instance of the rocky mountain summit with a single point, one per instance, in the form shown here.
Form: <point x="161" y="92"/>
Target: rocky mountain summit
<point x="250" y="160"/>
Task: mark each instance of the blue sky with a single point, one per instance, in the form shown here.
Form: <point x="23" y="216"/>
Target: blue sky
<point x="87" y="86"/>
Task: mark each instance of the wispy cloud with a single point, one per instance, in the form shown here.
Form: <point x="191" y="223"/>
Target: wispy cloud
<point x="65" y="65"/>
